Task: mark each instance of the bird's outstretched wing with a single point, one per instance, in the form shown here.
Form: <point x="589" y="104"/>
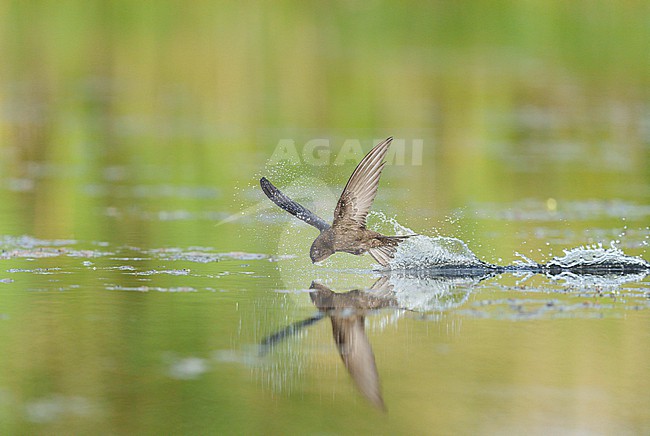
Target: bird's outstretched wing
<point x="346" y="311"/>
<point x="361" y="189"/>
<point x="295" y="209"/>
<point x="356" y="353"/>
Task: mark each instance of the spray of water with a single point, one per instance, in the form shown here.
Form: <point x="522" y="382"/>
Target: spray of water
<point x="596" y="256"/>
<point x="425" y="252"/>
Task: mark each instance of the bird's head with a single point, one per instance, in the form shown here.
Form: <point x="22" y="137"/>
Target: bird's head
<point x="320" y="250"/>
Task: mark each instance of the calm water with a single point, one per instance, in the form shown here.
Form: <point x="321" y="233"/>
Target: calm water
<point x="147" y="286"/>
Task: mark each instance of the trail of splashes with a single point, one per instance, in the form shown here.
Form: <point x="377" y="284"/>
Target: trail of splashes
<point x="380" y="222"/>
<point x="421" y="252"/>
<point x="437" y="252"/>
<point x="426" y="252"/>
<point x="596" y="256"/>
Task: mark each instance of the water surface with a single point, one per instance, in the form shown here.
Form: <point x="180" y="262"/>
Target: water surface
<point x="137" y="336"/>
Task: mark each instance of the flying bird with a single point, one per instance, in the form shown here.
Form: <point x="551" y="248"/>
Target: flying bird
<point x="348" y="232"/>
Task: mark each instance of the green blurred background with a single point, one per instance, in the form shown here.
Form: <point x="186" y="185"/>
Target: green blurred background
<point x="199" y="93"/>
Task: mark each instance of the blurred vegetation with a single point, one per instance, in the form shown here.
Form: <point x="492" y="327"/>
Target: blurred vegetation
<point x="103" y="93"/>
<point x="185" y="78"/>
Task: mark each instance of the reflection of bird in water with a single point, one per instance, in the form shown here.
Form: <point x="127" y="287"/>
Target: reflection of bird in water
<point x="347" y="312"/>
<point x="348" y="232"/>
<point x="348" y="315"/>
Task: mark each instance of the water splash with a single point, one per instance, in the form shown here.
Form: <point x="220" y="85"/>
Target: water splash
<point x="427" y="294"/>
<point x="444" y="253"/>
<point x="595" y="258"/>
<point x="425" y="252"/>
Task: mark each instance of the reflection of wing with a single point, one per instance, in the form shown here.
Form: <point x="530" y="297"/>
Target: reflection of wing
<point x="382" y="284"/>
<point x="295" y="209"/>
<point x="346" y="311"/>
<point x="361" y="189"/>
<point x="356" y="352"/>
<point x="382" y="287"/>
<point x="277" y="337"/>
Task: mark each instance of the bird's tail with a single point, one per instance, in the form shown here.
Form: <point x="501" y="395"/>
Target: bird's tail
<point x="295" y="209"/>
<point x="386" y="252"/>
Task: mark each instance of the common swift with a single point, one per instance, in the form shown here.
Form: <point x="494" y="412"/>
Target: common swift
<point x="348" y="232"/>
